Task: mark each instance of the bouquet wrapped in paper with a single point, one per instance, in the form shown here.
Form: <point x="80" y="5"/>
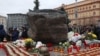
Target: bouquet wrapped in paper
<point x="29" y="43"/>
<point x="91" y="36"/>
<point x="19" y="43"/>
<point x="64" y="45"/>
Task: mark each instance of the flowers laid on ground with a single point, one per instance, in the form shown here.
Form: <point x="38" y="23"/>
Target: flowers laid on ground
<point x="39" y="44"/>
<point x="39" y="48"/>
<point x="49" y="44"/>
<point x="91" y="36"/>
<point x="24" y="42"/>
<point x="29" y="43"/>
<point x="64" y="45"/>
<point x="33" y="50"/>
<point x="19" y="42"/>
<point x="94" y="36"/>
<point x="28" y="40"/>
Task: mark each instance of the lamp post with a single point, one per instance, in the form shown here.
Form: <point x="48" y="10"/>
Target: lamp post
<point x="76" y="17"/>
<point x="76" y="10"/>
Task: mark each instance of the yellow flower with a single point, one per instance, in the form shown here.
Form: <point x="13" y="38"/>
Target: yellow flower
<point x="28" y="40"/>
<point x="89" y="33"/>
<point x="94" y="36"/>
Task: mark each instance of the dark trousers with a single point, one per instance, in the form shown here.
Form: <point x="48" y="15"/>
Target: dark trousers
<point x="1" y="39"/>
<point x="8" y="38"/>
<point x="98" y="36"/>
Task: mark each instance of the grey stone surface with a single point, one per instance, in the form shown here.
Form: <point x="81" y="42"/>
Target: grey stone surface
<point x="2" y="52"/>
<point x="48" y="25"/>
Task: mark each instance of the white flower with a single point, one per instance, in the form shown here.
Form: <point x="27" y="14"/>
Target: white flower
<point x="70" y="35"/>
<point x="19" y="43"/>
<point x="79" y="43"/>
<point x="39" y="44"/>
<point x="88" y="41"/>
<point x="75" y="38"/>
<point x="60" y="43"/>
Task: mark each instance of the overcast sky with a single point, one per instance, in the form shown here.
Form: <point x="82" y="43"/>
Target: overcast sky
<point x="22" y="6"/>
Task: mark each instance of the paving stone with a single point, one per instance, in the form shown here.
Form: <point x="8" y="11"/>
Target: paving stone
<point x="2" y="52"/>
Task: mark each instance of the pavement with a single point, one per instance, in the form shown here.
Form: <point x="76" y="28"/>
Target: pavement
<point x="2" y="52"/>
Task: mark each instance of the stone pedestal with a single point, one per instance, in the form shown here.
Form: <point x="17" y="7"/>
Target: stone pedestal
<point x="48" y="25"/>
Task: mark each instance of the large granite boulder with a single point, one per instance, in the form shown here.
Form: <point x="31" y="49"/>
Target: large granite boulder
<point x="48" y="25"/>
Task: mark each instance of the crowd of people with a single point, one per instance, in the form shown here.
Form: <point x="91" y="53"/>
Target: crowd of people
<point x="12" y="34"/>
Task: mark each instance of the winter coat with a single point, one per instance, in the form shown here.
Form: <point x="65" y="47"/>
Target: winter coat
<point x="15" y="35"/>
<point x="2" y="31"/>
<point x="97" y="32"/>
<point x="24" y="34"/>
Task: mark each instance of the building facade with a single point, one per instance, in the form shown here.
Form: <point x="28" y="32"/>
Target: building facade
<point x="16" y="20"/>
<point x="87" y="12"/>
<point x="3" y="21"/>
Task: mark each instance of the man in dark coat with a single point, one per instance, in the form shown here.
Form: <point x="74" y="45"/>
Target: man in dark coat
<point x="97" y="30"/>
<point x="2" y="33"/>
<point x="24" y="32"/>
<point x="15" y="34"/>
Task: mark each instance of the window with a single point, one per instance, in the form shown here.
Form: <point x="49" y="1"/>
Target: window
<point x="72" y="11"/>
<point x="86" y="8"/>
<point x="94" y="6"/>
<point x="89" y="7"/>
<point x="94" y="13"/>
<point x="80" y="9"/>
<point x="83" y="8"/>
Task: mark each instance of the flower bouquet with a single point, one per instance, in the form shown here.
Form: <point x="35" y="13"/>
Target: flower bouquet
<point x="91" y="36"/>
<point x="64" y="45"/>
<point x="28" y="43"/>
<point x="33" y="50"/>
<point x="19" y="43"/>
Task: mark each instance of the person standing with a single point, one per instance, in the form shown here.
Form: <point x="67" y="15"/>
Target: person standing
<point x="2" y="33"/>
<point x="24" y="33"/>
<point x="15" y="34"/>
<point x="9" y="34"/>
<point x="97" y="30"/>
